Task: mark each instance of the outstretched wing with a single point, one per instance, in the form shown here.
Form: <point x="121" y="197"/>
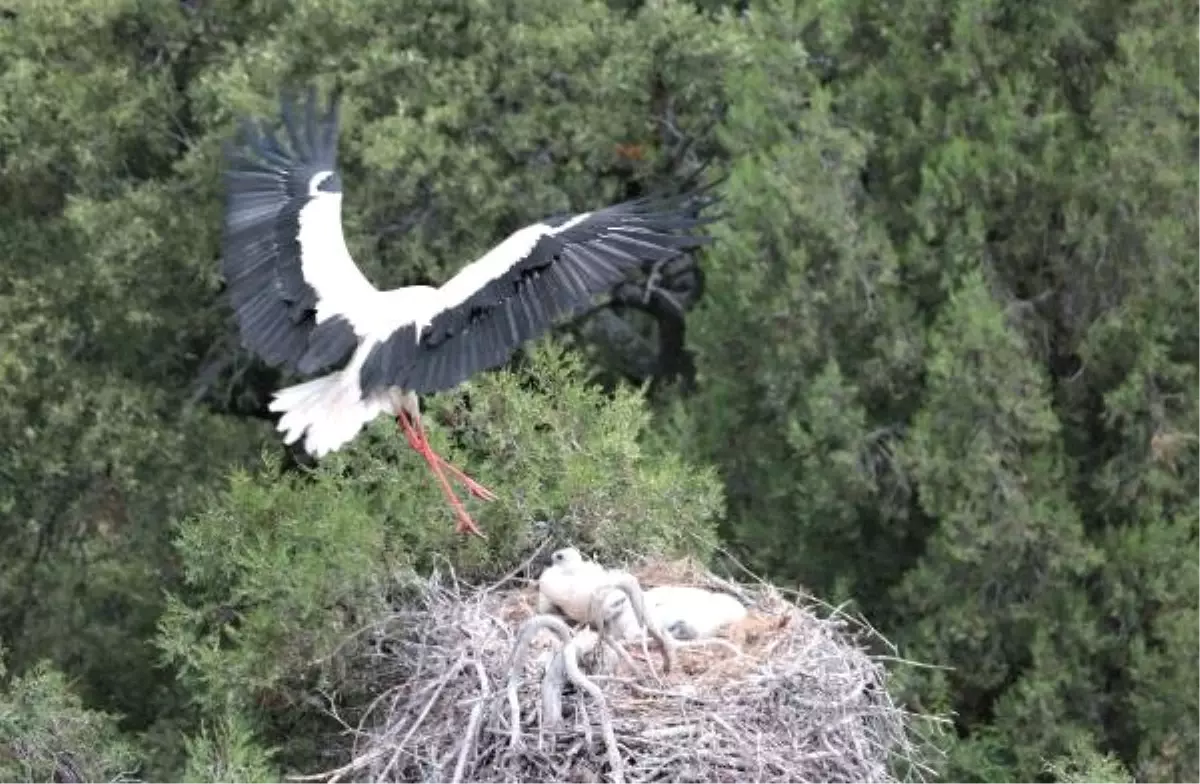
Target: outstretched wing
<point x="522" y="287"/>
<point x="289" y="275"/>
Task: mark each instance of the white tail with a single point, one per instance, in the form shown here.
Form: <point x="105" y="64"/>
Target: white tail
<point x="330" y="409"/>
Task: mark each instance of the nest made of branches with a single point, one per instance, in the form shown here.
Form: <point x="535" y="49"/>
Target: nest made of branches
<point x="474" y="685"/>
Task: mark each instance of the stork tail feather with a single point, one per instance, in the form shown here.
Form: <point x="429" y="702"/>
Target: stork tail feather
<point x="328" y="412"/>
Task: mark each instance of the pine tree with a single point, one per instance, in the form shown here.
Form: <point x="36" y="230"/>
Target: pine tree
<point x="46" y="734"/>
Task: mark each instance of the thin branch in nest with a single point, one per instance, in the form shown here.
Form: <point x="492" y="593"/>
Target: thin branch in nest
<point x="552" y="685"/>
<point x="473" y="724"/>
<point x="437" y="692"/>
<point x="581" y="681"/>
<point x="521" y="568"/>
<point x="711" y="642"/>
<point x="556" y="677"/>
<point x="516" y="664"/>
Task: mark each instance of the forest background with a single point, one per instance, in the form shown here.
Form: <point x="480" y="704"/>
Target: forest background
<point x="941" y="363"/>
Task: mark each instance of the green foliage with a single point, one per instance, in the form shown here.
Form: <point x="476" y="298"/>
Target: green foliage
<point x="805" y="337"/>
<point x="984" y="447"/>
<point x="99" y="448"/>
<point x="264" y="557"/>
<point x="947" y="352"/>
<point x="954" y="319"/>
<point x="46" y="734"/>
<point x="1084" y="764"/>
<point x="1150" y="587"/>
<point x="227" y="752"/>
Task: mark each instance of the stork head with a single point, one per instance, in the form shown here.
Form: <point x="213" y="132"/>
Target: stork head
<point x="566" y="558"/>
<point x="324" y="182"/>
<point x="681" y="631"/>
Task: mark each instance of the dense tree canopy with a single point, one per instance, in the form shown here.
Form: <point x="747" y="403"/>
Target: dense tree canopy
<point x="940" y="363"/>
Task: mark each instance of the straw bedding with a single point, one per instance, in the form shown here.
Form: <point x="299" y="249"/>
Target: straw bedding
<point x="473" y="685"/>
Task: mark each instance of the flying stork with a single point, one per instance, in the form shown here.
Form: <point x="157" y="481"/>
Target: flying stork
<point x="302" y="303"/>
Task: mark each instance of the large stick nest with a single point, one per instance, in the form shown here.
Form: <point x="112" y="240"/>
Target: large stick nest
<point x="481" y="688"/>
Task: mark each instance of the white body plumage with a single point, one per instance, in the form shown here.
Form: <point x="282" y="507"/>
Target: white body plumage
<point x="569" y="584"/>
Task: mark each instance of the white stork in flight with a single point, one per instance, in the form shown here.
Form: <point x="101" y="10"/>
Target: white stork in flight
<point x="301" y="302"/>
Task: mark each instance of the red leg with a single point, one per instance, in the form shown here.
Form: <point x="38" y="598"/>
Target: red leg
<point x="418" y="432"/>
<point x="418" y="442"/>
<point x="473" y="487"/>
<point x="415" y="439"/>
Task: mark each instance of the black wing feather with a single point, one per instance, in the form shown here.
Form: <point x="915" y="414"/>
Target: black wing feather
<point x="266" y="186"/>
<point x="558" y="278"/>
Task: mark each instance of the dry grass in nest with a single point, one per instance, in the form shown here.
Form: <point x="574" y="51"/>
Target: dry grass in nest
<point x="786" y="696"/>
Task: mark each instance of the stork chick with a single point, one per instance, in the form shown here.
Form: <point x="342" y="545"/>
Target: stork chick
<point x="569" y="583"/>
<point x="691" y="613"/>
